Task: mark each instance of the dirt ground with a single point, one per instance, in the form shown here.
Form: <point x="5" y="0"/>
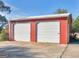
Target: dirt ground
<point x="13" y="49"/>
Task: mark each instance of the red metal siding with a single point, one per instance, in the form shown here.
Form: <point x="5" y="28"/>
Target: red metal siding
<point x="63" y="28"/>
<point x="33" y="32"/>
<point x="11" y="30"/>
<point x="63" y="31"/>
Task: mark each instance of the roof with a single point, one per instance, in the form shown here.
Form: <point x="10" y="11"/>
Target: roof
<point x="45" y="16"/>
<point x="49" y="16"/>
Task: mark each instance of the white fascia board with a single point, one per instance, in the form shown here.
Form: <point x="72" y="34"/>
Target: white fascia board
<point x="44" y="16"/>
<point x="49" y="16"/>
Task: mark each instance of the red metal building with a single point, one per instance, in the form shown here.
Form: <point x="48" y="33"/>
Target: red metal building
<point x="47" y="28"/>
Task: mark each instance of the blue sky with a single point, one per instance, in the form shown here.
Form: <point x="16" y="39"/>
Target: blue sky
<point x="25" y="8"/>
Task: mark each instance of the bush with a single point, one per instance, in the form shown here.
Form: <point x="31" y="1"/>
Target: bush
<point x="3" y="36"/>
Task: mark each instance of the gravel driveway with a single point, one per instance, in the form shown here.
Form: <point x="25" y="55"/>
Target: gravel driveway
<point x="72" y="51"/>
<point x="13" y="49"/>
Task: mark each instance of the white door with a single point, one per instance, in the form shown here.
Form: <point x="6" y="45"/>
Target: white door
<point x="48" y="32"/>
<point x="22" y="32"/>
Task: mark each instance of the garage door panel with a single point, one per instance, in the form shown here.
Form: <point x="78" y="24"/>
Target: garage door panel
<point x="22" y="32"/>
<point x="48" y="32"/>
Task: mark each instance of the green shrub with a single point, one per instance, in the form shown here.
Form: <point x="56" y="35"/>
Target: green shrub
<point x="3" y="36"/>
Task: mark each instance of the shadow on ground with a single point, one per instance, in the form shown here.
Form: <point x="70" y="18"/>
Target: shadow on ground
<point x="17" y="52"/>
<point x="73" y="40"/>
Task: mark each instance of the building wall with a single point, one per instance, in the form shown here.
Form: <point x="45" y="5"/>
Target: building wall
<point x="63" y="28"/>
<point x="63" y="32"/>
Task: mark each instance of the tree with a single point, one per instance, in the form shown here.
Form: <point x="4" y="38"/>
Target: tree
<point x="76" y="24"/>
<point x="3" y="20"/>
<point x="4" y="8"/>
<point x="60" y="11"/>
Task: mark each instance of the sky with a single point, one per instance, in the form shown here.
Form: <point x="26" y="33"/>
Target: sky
<point x="26" y="8"/>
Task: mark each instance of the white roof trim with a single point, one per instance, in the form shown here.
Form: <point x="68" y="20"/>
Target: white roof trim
<point x="49" y="16"/>
<point x="44" y="16"/>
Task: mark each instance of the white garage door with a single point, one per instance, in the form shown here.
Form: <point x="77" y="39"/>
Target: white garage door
<point x="22" y="32"/>
<point x="48" y="32"/>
